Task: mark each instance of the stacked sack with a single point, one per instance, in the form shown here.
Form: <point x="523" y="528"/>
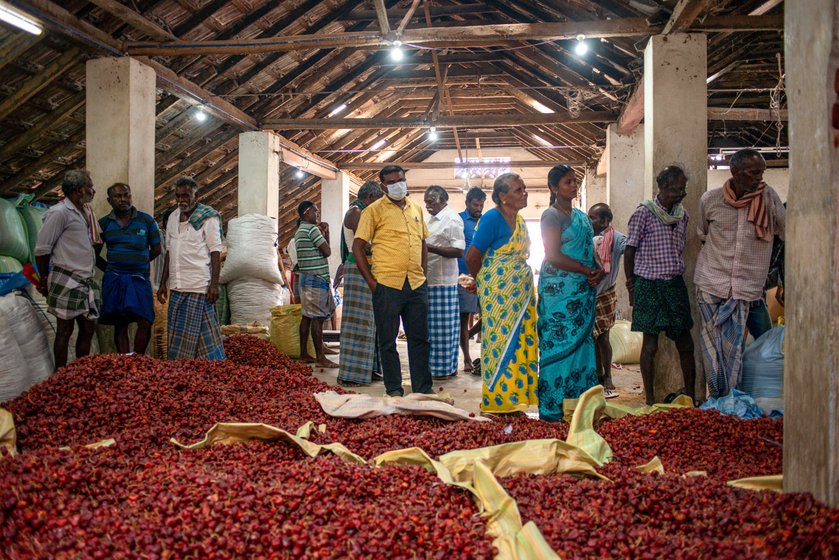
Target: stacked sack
<point x="25" y="353"/>
<point x="251" y="273"/>
<point x="15" y="247"/>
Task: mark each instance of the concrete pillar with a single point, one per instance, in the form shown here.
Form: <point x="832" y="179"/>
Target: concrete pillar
<point x="676" y="133"/>
<point x="259" y="173"/>
<point x="334" y="202"/>
<point x="595" y="189"/>
<point x="811" y="368"/>
<point x="625" y="189"/>
<point x="119" y="129"/>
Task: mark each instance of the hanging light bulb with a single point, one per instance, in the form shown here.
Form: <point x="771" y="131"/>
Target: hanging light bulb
<point x="432" y="134"/>
<point x="201" y="116"/>
<point x="299" y="174"/>
<point x="581" y="47"/>
<point x="396" y="54"/>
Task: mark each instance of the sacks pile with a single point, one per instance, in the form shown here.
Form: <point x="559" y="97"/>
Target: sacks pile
<point x="251" y="272"/>
<point x="25" y="352"/>
<point x="15" y="246"/>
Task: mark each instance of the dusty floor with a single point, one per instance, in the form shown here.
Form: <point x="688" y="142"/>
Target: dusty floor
<point x="465" y="389"/>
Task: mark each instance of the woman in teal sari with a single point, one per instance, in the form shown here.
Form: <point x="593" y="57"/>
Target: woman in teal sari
<point x="497" y="259"/>
<point x="567" y="294"/>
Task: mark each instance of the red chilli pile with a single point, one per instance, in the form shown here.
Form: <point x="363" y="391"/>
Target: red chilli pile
<point x="672" y="516"/>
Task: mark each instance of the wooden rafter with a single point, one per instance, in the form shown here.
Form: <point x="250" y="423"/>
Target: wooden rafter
<point x="451" y="165"/>
<point x="135" y="20"/>
<point x="381" y="15"/>
<point x="36" y="83"/>
<point x="465" y="36"/>
<point x="683" y="16"/>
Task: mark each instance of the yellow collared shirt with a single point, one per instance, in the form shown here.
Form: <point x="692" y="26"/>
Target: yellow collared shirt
<point x="396" y="235"/>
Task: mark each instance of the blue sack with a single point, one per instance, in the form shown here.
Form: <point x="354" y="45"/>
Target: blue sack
<point x="736" y="403"/>
<point x="9" y="282"/>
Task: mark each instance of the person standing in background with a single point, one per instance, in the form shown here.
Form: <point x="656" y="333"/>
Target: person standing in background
<point x="475" y="200"/>
<point x="445" y="245"/>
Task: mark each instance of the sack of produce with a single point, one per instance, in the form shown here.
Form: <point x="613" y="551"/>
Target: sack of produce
<point x="33" y="220"/>
<point x="285" y="330"/>
<point x="626" y="345"/>
<point x="13" y="239"/>
<point x="251" y="250"/>
<point x="763" y="366"/>
<point x="25" y="354"/>
<point x="251" y="300"/>
<point x="9" y="264"/>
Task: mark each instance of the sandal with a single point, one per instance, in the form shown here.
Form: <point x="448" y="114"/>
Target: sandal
<point x="476" y="367"/>
<point x="343" y="383"/>
<point x="610" y="394"/>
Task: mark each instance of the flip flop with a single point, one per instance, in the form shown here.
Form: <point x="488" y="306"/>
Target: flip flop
<point x="610" y="394"/>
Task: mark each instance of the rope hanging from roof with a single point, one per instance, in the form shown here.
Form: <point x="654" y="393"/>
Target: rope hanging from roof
<point x="775" y="103"/>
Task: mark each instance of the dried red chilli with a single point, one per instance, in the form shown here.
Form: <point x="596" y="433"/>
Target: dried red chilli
<point x="671" y="516"/>
<point x="248" y="500"/>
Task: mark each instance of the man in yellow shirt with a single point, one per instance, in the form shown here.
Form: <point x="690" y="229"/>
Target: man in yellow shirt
<point x="395" y="228"/>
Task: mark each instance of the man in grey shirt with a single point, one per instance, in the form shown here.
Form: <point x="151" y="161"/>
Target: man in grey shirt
<point x="65" y="256"/>
<point x="609" y="246"/>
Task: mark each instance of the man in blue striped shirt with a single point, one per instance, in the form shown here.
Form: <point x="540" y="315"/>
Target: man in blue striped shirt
<point x="132" y="239"/>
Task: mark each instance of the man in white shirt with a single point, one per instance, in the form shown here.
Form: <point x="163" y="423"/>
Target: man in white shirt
<point x="446" y="243"/>
<point x="191" y="271"/>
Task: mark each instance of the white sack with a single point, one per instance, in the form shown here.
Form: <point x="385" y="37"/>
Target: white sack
<point x="25" y="354"/>
<point x="251" y="250"/>
<point x="251" y="301"/>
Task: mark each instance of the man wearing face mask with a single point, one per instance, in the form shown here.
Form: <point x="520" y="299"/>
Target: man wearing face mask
<point x="654" y="260"/>
<point x="395" y="228"/>
<point x="737" y="224"/>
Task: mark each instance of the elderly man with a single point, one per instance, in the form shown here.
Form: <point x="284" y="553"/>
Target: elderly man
<point x="133" y="241"/>
<point x="446" y="243"/>
<point x="654" y="261"/>
<point x="358" y="364"/>
<point x="316" y="300"/>
<point x="609" y="247"/>
<point x="475" y="200"/>
<point x="190" y="272"/>
<point x="737" y="224"/>
<point x="395" y="228"/>
<point x="65" y="255"/>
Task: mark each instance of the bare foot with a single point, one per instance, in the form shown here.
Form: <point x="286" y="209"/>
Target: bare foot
<point x="328" y="350"/>
<point x="467" y="366"/>
<point x="324" y="363"/>
<point x="306" y="359"/>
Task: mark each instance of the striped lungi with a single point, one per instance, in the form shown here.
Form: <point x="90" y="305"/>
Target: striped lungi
<point x="605" y="310"/>
<point x="443" y="329"/>
<point x="358" y="329"/>
<point x="722" y="339"/>
<point x="71" y="295"/>
<point x="193" y="329"/>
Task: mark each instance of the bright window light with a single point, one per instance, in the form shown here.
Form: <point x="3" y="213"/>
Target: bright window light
<point x="339" y="109"/>
<point x="14" y="17"/>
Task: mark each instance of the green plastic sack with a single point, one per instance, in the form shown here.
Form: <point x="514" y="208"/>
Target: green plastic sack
<point x="13" y="239"/>
<point x="33" y="221"/>
<point x="10" y="264"/>
<point x="285" y="330"/>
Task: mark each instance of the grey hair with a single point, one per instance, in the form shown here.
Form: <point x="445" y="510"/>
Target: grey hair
<point x="74" y="180"/>
<point x="368" y="190"/>
<point x="502" y="185"/>
<point x="187" y="181"/>
<point x="438" y="193"/>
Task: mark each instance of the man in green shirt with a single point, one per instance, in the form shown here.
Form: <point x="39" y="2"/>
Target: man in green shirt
<point x="317" y="302"/>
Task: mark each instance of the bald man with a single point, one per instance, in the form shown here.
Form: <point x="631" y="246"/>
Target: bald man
<point x="609" y="246"/>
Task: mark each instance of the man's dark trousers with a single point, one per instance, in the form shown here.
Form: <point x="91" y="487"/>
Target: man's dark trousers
<point x="389" y="305"/>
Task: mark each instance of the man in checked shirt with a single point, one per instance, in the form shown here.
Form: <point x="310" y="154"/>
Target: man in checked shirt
<point x="737" y="224"/>
<point x="654" y="263"/>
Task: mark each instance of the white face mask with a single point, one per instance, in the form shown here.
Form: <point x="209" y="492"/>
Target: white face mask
<point x="397" y="191"/>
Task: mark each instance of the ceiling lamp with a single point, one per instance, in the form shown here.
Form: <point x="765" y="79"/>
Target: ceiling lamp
<point x="581" y="47"/>
<point x="200" y="116"/>
<point x="18" y="19"/>
<point x="432" y="134"/>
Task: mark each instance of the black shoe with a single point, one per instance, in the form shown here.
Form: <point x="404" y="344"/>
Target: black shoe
<point x="396" y="394"/>
<point x="377" y="376"/>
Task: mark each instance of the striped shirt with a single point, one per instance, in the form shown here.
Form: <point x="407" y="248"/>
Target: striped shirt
<point x="128" y="247"/>
<point x="660" y="247"/>
<point x="309" y="258"/>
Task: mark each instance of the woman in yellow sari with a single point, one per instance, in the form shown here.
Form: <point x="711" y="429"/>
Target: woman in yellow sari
<point x="497" y="259"/>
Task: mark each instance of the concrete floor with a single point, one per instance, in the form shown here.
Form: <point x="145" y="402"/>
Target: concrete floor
<point x="465" y="389"/>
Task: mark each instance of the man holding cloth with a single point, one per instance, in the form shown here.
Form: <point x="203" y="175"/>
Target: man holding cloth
<point x="737" y="224"/>
<point x="395" y="228"/>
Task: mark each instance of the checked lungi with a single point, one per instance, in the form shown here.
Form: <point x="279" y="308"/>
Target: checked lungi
<point x="443" y="329"/>
<point x="193" y="329"/>
<point x="71" y="295"/>
<point x="605" y="310"/>
<point x="722" y="339"/>
<point x="316" y="298"/>
<point x="358" y="329"/>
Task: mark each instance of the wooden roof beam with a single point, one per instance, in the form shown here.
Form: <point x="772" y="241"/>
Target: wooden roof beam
<point x="470" y="121"/>
<point x="36" y="83"/>
<point x="464" y="36"/>
<point x="381" y="15"/>
<point x="683" y="16"/>
<point x="411" y="165"/>
<point x="135" y="20"/>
